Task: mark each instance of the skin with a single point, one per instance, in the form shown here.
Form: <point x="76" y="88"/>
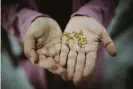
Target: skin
<point x="46" y="47"/>
<point x="42" y="44"/>
<point x="81" y="61"/>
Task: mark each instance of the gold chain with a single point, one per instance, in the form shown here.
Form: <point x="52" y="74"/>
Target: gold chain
<point x="82" y="40"/>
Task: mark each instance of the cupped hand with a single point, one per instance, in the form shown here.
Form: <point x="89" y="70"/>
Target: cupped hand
<point x="80" y="61"/>
<point x="42" y="44"/>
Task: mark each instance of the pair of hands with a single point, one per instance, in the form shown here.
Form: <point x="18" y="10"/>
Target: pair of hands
<point x="46" y="47"/>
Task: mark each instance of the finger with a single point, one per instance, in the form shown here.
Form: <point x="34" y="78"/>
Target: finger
<point x="40" y="43"/>
<point x="79" y="67"/>
<point x="64" y="52"/>
<point x="58" y="70"/>
<point x="89" y="64"/>
<point x="42" y="51"/>
<point x="29" y="48"/>
<point x="33" y="56"/>
<point x="64" y="76"/>
<point x="52" y="51"/>
<point x="108" y="43"/>
<point x="71" y="64"/>
<point x="48" y="63"/>
<point x="71" y="59"/>
<point x="57" y="57"/>
<point x="73" y="44"/>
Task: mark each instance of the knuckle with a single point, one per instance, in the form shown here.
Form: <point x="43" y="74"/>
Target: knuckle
<point x="79" y="69"/>
<point x="80" y="63"/>
<point x="70" y="65"/>
<point x="65" y="49"/>
<point x="72" y="54"/>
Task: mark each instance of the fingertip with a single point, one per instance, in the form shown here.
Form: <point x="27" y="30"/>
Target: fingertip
<point x="34" y="61"/>
<point x="85" y="76"/>
<point x="64" y="77"/>
<point x="69" y="77"/>
<point x="77" y="78"/>
<point x="59" y="70"/>
<point x="33" y="56"/>
<point x="62" y="63"/>
<point x="76" y="82"/>
<point x="111" y="49"/>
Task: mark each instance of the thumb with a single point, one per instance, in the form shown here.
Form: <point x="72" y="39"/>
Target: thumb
<point x="47" y="63"/>
<point x="58" y="70"/>
<point x="108" y="43"/>
<point x="50" y="64"/>
<point x="29" y="48"/>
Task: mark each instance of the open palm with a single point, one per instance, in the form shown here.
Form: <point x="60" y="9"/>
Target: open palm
<point x="81" y="61"/>
<point x="42" y="44"/>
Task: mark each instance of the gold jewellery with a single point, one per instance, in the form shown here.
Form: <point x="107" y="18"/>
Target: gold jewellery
<point x="67" y="35"/>
<point x="82" y="40"/>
